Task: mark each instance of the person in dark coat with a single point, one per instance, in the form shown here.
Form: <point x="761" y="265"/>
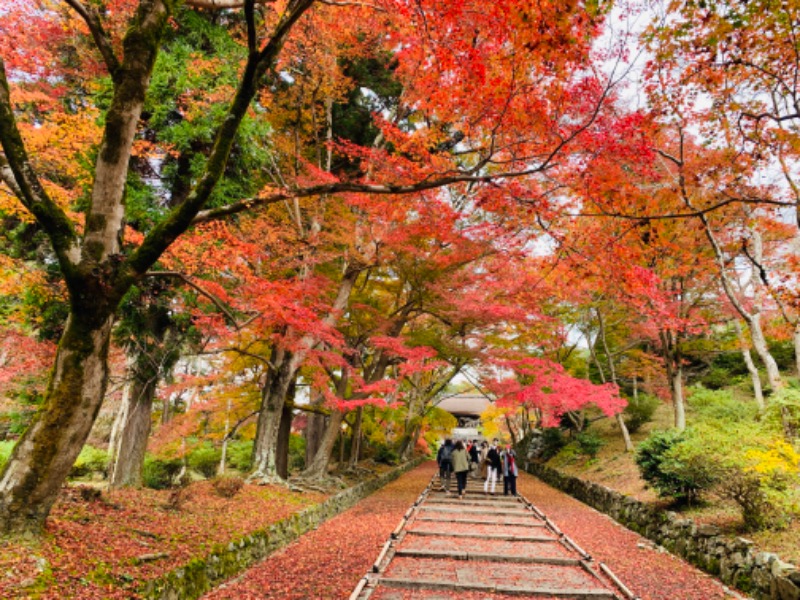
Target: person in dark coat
<point x="474" y="456"/>
<point x="444" y="459"/>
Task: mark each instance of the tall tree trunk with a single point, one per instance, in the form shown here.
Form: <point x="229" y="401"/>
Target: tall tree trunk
<point x="315" y="430"/>
<point x="134" y="433"/>
<point x="626" y="436"/>
<point x="355" y="446"/>
<point x="273" y="397"/>
<point x="284" y="432"/>
<point x="317" y="467"/>
<point x="796" y="338"/>
<point x="755" y="376"/>
<point x="43" y="457"/>
<point x="282" y="373"/>
<point x="673" y="360"/>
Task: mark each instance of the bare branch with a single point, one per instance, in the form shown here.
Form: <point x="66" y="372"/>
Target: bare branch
<point x="185" y="278"/>
<point x="101" y="39"/>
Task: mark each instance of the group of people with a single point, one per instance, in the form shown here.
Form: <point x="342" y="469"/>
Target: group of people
<point x="490" y="461"/>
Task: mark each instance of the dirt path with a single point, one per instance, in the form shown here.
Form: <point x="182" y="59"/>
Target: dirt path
<point x="330" y="561"/>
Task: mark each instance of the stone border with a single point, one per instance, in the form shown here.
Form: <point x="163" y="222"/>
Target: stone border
<point x="225" y="561"/>
<point x="762" y="574"/>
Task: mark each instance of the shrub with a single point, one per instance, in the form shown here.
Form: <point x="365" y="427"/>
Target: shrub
<point x="750" y="464"/>
<point x="719" y="405"/>
<point x="90" y="460"/>
<point x="205" y="460"/>
<point x="552" y="441"/>
<point x="683" y="479"/>
<point x="589" y="443"/>
<point x="716" y="378"/>
<point x="387" y="455"/>
<point x="640" y="411"/>
<point x="240" y="455"/>
<point x="227" y="487"/>
<point x="158" y="474"/>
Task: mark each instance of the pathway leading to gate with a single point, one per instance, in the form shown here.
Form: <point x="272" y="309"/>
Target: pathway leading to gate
<point x="494" y="545"/>
<point x="329" y="562"/>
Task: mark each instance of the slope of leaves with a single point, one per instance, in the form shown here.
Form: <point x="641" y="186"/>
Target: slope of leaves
<point x="124" y="525"/>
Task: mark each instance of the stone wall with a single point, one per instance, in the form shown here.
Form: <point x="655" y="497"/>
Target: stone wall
<point x="763" y="575"/>
<point x="227" y="560"/>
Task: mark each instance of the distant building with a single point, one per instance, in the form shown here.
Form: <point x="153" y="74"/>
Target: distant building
<point x="467" y="409"/>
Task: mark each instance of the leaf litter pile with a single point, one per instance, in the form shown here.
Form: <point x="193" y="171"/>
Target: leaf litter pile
<point x="105" y="546"/>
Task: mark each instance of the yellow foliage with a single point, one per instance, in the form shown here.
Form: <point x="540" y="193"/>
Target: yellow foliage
<point x="779" y="460"/>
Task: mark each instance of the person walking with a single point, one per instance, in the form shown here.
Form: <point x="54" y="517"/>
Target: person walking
<point x="460" y="467"/>
<point x="482" y="459"/>
<point x="510" y="471"/>
<point x="444" y="459"/>
<point x="493" y="466"/>
<point x="474" y="457"/>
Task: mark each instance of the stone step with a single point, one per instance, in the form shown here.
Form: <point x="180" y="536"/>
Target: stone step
<point x="531" y="579"/>
<point x="463" y="510"/>
<point x="487" y="557"/>
<point x="484" y="536"/>
<point x="421" y="585"/>
<point x="500" y="520"/>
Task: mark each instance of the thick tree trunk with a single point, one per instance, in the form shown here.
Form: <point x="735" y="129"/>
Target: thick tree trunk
<point x="355" y="447"/>
<point x="317" y="467"/>
<point x="47" y="450"/>
<point x="282" y="450"/>
<point x="134" y="432"/>
<point x="315" y="430"/>
<point x="265" y="448"/>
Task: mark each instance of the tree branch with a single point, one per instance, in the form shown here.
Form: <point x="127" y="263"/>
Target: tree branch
<point x="185" y="278"/>
<point x="101" y="39"/>
<point x="26" y="185"/>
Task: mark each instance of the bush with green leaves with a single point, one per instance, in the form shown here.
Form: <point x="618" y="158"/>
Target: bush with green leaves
<point x="589" y="443"/>
<point x="684" y="480"/>
<point x="90" y="460"/>
<point x="386" y="454"/>
<point x="751" y="464"/>
<point x="640" y="410"/>
<point x="719" y="406"/>
<point x="159" y="473"/>
<point x="205" y="460"/>
<point x="240" y="455"/>
<point x="551" y="442"/>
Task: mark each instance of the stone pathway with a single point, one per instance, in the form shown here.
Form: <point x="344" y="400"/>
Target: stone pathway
<point x="492" y="546"/>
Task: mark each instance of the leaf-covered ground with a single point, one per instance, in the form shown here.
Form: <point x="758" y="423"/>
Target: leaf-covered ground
<point x="104" y="548"/>
<point x="328" y="562"/>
